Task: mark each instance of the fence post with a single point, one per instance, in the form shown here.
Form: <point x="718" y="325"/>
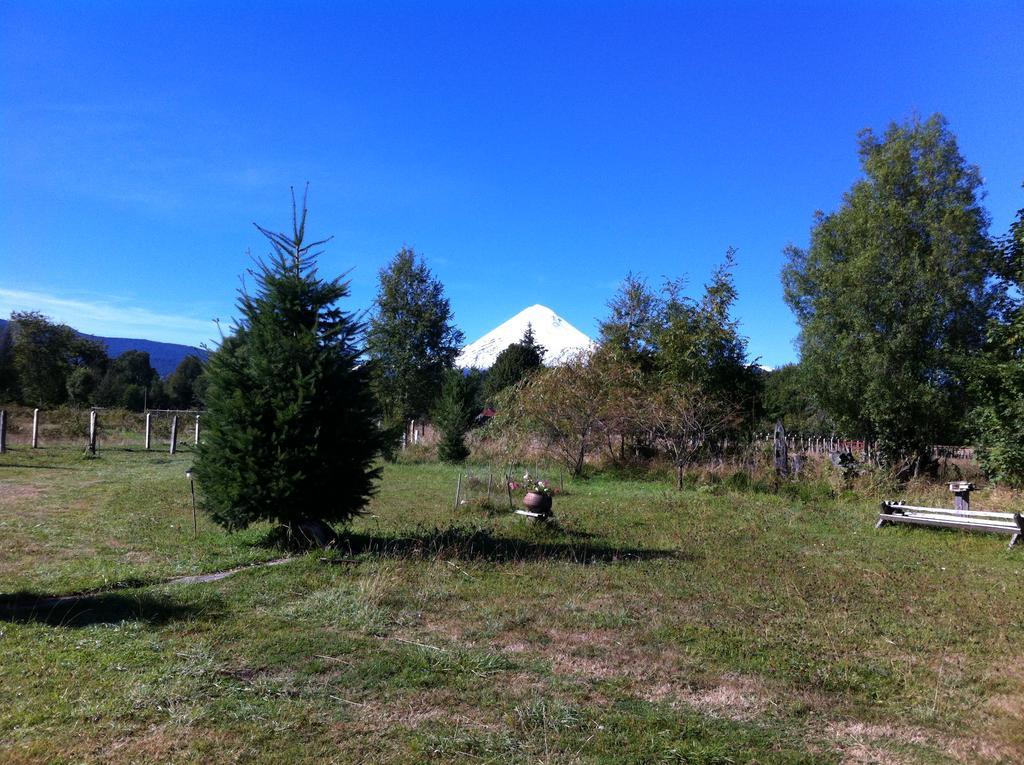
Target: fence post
<point x="196" y="443"/>
<point x="174" y="434"/>
<point x="3" y="430"/>
<point x="149" y="429"/>
<point x="781" y="451"/>
<point x="35" y="428"/>
<point x="92" y="431"/>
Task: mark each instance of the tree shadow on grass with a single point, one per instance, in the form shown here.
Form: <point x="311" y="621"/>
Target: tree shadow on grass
<point x="36" y="467"/>
<point x="100" y="608"/>
<point x="482" y="544"/>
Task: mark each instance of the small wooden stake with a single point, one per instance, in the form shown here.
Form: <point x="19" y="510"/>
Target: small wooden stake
<point x="196" y="442"/>
<point x="174" y="434"/>
<point x="35" y="428"/>
<point x="458" y="491"/>
<point x="781" y="451"/>
<point x="3" y="430"/>
<point x="149" y="429"/>
<point x="92" y="431"/>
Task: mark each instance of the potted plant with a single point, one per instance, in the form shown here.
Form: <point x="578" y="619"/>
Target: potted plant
<point x="538" y="495"/>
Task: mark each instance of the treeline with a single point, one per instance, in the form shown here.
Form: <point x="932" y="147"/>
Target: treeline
<point x="911" y="334"/>
<point x="45" y="364"/>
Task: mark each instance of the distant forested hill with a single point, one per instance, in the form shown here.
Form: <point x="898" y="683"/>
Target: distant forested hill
<point x="164" y="357"/>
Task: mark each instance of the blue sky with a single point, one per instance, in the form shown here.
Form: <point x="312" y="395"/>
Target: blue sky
<point x="533" y="153"/>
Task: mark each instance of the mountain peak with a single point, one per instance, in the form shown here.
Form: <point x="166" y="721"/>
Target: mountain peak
<point x="557" y="335"/>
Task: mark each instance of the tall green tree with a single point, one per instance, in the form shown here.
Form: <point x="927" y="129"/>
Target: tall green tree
<point x="699" y="342"/>
<point x="785" y="397"/>
<point x="895" y="290"/>
<point x="290" y="430"/>
<point x="412" y="339"/>
<point x="998" y="373"/>
<point x="43" y="355"/>
<point x="635" y="316"/>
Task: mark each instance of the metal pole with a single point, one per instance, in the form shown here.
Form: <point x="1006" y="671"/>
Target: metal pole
<point x="149" y="429"/>
<point x="195" y="521"/>
<point x="197" y="431"/>
<point x="35" y="428"/>
<point x="174" y="433"/>
<point x="92" y="431"/>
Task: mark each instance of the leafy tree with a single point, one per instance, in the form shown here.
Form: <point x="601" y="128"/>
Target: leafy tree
<point x="895" y="290"/>
<point x="676" y="346"/>
<point x="998" y="374"/>
<point x="181" y="386"/>
<point x="679" y="339"/>
<point x="454" y="414"/>
<point x="567" y="405"/>
<point x="81" y="386"/>
<point x="291" y="430"/>
<point x="635" y="316"/>
<point x="515" y="363"/>
<point x="130" y="382"/>
<point x="698" y="343"/>
<point x="412" y="340"/>
<point x="785" y="396"/>
<point x="685" y="421"/>
<point x="44" y="354"/>
<point x="8" y="376"/>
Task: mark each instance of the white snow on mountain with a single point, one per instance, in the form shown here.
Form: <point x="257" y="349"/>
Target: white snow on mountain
<point x="549" y="329"/>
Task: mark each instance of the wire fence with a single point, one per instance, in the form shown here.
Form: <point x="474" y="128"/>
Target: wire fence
<point x="97" y="428"/>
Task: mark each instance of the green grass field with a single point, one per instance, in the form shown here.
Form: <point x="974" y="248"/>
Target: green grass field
<point x="650" y="626"/>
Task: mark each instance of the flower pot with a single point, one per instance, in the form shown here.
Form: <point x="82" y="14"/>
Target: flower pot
<point x="537" y="502"/>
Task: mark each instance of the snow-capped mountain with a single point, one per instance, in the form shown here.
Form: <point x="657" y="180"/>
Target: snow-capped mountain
<point x="549" y="329"/>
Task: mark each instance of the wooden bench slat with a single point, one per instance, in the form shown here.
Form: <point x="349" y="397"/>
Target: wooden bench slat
<point x="925" y="520"/>
<point x="956" y="513"/>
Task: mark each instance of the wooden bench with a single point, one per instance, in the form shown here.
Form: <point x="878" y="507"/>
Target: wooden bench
<point x="967" y="520"/>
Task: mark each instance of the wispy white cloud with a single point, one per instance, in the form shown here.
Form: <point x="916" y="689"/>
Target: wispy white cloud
<point x="110" y="317"/>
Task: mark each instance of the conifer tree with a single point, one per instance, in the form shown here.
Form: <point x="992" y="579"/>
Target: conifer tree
<point x="290" y="431"/>
<point x="454" y="415"/>
<point x="514" y="363"/>
<point x="412" y="339"/>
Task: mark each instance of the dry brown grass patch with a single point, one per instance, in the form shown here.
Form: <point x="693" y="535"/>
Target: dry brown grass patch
<point x="733" y="696"/>
<point x="12" y="493"/>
